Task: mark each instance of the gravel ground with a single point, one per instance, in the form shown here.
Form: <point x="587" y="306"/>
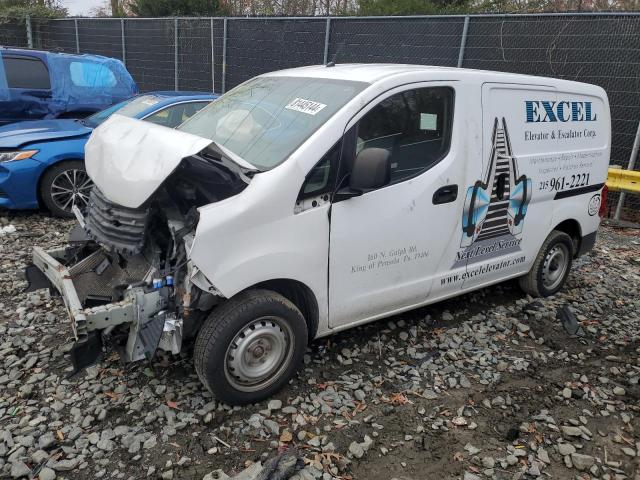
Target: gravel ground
<point x="488" y="385"/>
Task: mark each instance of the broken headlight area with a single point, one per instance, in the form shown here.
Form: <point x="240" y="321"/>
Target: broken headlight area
<point x="126" y="273"/>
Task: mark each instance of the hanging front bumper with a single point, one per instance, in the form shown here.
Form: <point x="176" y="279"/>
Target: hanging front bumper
<point x="142" y="307"/>
<point x="83" y="320"/>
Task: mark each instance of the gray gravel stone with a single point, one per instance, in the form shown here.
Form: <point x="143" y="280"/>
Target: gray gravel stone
<point x="46" y="473"/>
<point x="65" y="465"/>
<point x="19" y="469"/>
<point x="582" y="462"/>
<point x="356" y="450"/>
<point x="571" y="431"/>
<point x="566" y="449"/>
<point x="272" y="427"/>
<point x="47" y="440"/>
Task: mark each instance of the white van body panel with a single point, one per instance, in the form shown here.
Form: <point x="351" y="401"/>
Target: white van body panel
<point x="257" y="235"/>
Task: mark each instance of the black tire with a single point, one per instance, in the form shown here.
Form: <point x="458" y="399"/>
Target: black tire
<point x="51" y="195"/>
<point x="540" y="281"/>
<point x="224" y="332"/>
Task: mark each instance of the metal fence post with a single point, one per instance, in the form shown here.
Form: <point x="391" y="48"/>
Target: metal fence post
<point x="213" y="63"/>
<point x="224" y="55"/>
<point x="463" y="41"/>
<point x="27" y="22"/>
<point x="124" y="48"/>
<point x="630" y="166"/>
<point x="75" y="24"/>
<point x="175" y="53"/>
<point x="327" y="34"/>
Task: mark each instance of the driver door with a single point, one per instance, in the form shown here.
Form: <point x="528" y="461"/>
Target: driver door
<point x="389" y="244"/>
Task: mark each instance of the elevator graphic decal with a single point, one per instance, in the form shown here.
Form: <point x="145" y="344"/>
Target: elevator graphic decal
<point x="495" y="207"/>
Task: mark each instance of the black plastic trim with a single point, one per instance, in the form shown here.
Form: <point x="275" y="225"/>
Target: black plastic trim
<point x="578" y="191"/>
<point x="587" y="243"/>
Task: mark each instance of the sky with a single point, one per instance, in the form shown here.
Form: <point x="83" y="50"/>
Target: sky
<point x="81" y="7"/>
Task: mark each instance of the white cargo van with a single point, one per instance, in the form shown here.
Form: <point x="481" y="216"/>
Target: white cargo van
<point x="311" y="200"/>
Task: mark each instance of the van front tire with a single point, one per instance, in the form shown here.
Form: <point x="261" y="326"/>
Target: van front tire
<point x="551" y="267"/>
<point x="250" y="346"/>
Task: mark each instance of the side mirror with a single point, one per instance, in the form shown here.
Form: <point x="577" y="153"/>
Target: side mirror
<point x="371" y="170"/>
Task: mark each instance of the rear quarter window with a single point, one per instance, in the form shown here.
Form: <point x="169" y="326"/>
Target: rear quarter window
<point x="26" y="72"/>
<point x="91" y="75"/>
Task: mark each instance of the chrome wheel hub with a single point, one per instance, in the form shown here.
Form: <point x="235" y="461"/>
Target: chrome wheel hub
<point x="555" y="266"/>
<point x="70" y="188"/>
<point x="258" y="354"/>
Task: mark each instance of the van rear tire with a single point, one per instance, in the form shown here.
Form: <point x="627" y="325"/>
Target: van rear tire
<point x="250" y="347"/>
<point x="551" y="267"/>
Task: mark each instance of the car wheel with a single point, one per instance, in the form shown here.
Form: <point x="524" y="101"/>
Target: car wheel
<point x="64" y="185"/>
<point x="250" y="346"/>
<point x="551" y="267"/>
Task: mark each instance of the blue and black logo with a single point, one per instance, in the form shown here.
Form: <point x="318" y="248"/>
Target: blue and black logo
<point x="542" y="111"/>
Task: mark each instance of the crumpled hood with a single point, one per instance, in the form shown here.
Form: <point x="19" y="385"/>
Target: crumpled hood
<point x="15" y="135"/>
<point x="128" y="159"/>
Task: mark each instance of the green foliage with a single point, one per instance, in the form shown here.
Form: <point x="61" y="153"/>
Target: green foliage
<point x="175" y="8"/>
<point x="516" y="6"/>
<point x="413" y="7"/>
<point x="34" y="8"/>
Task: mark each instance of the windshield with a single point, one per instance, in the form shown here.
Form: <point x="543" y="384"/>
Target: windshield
<point x="129" y="108"/>
<point x="265" y="119"/>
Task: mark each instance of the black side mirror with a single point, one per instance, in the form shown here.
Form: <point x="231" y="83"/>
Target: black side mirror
<point x="371" y="170"/>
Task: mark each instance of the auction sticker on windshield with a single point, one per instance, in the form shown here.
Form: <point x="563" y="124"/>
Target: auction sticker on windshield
<point x="305" y="106"/>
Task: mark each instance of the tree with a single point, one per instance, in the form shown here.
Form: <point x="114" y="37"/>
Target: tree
<point x="535" y="6"/>
<point x="176" y="8"/>
<point x="413" y="7"/>
<point x="287" y="8"/>
<point x="118" y="8"/>
<point x="111" y="8"/>
<point x="34" y="8"/>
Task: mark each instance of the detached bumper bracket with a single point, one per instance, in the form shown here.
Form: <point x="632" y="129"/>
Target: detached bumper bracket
<point x="150" y="334"/>
<point x="60" y="278"/>
<point x="86" y="353"/>
<point x="36" y="279"/>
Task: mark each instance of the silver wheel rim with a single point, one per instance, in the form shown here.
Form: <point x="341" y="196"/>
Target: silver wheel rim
<point x="259" y="354"/>
<point x="555" y="266"/>
<point x="71" y="187"/>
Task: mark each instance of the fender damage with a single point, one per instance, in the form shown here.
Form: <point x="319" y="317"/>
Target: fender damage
<point x="126" y="275"/>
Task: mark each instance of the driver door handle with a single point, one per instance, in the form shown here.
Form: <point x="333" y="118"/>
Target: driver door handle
<point x="445" y="194"/>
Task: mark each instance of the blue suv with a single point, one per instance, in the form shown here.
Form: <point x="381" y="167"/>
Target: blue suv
<point x="36" y="84"/>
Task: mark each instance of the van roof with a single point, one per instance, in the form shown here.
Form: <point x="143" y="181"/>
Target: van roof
<point x="374" y="72"/>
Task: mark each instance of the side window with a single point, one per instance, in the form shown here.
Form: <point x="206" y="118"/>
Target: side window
<point x="28" y="73"/>
<point x="414" y="126"/>
<point x="320" y="181"/>
<point x="91" y="74"/>
<point x="321" y="178"/>
<point x="174" y="115"/>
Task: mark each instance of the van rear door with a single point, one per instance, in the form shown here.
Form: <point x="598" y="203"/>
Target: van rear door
<point x="502" y="213"/>
<point x="539" y="143"/>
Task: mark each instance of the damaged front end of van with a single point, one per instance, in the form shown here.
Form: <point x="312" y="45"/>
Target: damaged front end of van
<point x="126" y="275"/>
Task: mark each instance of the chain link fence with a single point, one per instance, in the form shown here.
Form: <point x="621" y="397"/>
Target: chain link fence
<point x="216" y="54"/>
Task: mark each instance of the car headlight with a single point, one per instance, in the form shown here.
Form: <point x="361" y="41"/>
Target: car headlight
<point x="20" y="155"/>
